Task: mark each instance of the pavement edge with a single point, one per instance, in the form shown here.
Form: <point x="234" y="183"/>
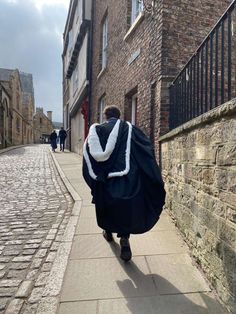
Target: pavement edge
<point x="5" y="150"/>
<point x="50" y="301"/>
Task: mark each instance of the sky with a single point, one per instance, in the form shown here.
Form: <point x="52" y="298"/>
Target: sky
<point x="31" y="33"/>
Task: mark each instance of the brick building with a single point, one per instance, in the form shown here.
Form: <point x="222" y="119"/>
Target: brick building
<point x="76" y="72"/>
<point x="137" y="54"/>
<point x="43" y="126"/>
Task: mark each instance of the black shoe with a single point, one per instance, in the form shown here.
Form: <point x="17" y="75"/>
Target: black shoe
<point x="125" y="252"/>
<point x="108" y="236"/>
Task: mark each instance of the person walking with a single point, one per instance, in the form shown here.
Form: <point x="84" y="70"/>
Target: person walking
<point x="62" y="136"/>
<point x="120" y="168"/>
<point x="53" y="140"/>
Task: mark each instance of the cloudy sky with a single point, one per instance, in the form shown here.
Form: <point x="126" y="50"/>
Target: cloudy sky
<point x="31" y="40"/>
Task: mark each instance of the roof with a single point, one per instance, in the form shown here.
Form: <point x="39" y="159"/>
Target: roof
<point x="27" y="82"/>
<point x="5" y="74"/>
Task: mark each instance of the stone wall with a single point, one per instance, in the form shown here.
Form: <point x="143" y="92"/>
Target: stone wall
<point x="199" y="169"/>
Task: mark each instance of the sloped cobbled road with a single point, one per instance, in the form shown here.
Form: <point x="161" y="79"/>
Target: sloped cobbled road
<point x="34" y="211"/>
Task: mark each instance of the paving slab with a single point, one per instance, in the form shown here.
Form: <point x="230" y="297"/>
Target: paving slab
<point x="164" y="223"/>
<point x="159" y="242"/>
<point x="93" y="279"/>
<point x="92" y="246"/>
<point x="194" y="303"/>
<point x="83" y="307"/>
<point x="88" y="212"/>
<point x="87" y="226"/>
<point x="176" y="274"/>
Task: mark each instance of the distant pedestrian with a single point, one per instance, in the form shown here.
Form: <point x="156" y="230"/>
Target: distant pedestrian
<point x="62" y="136"/>
<point x="53" y="139"/>
<point x="126" y="184"/>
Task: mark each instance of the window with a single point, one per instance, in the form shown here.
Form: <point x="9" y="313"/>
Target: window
<point x="104" y="42"/>
<point x="67" y="116"/>
<point x="79" y="12"/>
<point x="131" y="103"/>
<point x="70" y="43"/>
<point x="102" y="104"/>
<point x="134" y="109"/>
<point x="137" y="7"/>
<point x="75" y="79"/>
<point x="18" y="125"/>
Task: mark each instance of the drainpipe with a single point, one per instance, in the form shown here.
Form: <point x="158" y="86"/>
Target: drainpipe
<point x="90" y="62"/>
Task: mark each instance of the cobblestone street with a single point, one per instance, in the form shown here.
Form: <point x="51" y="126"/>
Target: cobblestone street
<point x="34" y="211"/>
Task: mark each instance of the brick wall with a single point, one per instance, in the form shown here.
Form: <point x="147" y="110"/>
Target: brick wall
<point x="120" y="78"/>
<point x="199" y="169"/>
<point x="166" y="41"/>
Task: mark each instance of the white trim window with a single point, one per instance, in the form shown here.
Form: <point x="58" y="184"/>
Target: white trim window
<point x="134" y="109"/>
<point x="70" y="43"/>
<point x="75" y="79"/>
<point x="104" y="42"/>
<point x="79" y="12"/>
<point x="137" y="7"/>
<point x="102" y="104"/>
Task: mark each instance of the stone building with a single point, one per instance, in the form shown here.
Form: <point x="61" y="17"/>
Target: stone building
<point x="27" y="107"/>
<point x="19" y="87"/>
<point x="76" y="72"/>
<point x="5" y="118"/>
<point x="10" y="79"/>
<point x="43" y="126"/>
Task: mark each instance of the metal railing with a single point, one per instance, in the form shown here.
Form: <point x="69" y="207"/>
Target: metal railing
<point x="208" y="79"/>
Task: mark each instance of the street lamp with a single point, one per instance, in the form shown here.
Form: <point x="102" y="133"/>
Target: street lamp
<point x="148" y="5"/>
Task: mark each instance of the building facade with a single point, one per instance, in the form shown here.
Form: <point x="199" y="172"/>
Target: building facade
<point x="137" y="54"/>
<point x="28" y="107"/>
<point x="10" y="79"/>
<point x="76" y="72"/>
<point x="19" y="87"/>
<point x="5" y="118"/>
<point x="42" y="125"/>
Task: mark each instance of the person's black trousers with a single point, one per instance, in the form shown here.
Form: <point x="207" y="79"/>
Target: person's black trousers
<point x="62" y="144"/>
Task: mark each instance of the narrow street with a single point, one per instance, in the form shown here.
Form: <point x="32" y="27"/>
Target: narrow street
<point x="34" y="211"/>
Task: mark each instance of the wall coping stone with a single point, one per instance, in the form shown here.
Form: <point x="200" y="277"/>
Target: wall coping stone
<point x="227" y="109"/>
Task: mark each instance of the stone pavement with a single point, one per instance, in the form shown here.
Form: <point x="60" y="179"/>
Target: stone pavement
<point x="35" y="208"/>
<point x="161" y="278"/>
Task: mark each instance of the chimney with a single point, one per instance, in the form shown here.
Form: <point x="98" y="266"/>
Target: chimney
<point x="39" y="109"/>
<point x="49" y="115"/>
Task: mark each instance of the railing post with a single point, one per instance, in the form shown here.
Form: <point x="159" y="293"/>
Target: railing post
<point x="229" y="53"/>
<point x="222" y="62"/>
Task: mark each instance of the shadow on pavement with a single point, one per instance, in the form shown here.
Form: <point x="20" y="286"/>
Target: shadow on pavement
<point x="174" y="303"/>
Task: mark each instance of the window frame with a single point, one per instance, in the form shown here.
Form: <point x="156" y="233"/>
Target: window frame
<point x="75" y="79"/>
<point x="136" y="9"/>
<point x="101" y="106"/>
<point x="104" y="42"/>
<point x="134" y="104"/>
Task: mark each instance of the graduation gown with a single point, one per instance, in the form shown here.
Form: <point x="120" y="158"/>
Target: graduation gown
<point x="125" y="180"/>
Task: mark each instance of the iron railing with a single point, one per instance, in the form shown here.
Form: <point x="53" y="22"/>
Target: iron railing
<point x="208" y="79"/>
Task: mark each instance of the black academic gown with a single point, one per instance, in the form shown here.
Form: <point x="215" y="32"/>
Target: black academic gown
<point x="130" y="204"/>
